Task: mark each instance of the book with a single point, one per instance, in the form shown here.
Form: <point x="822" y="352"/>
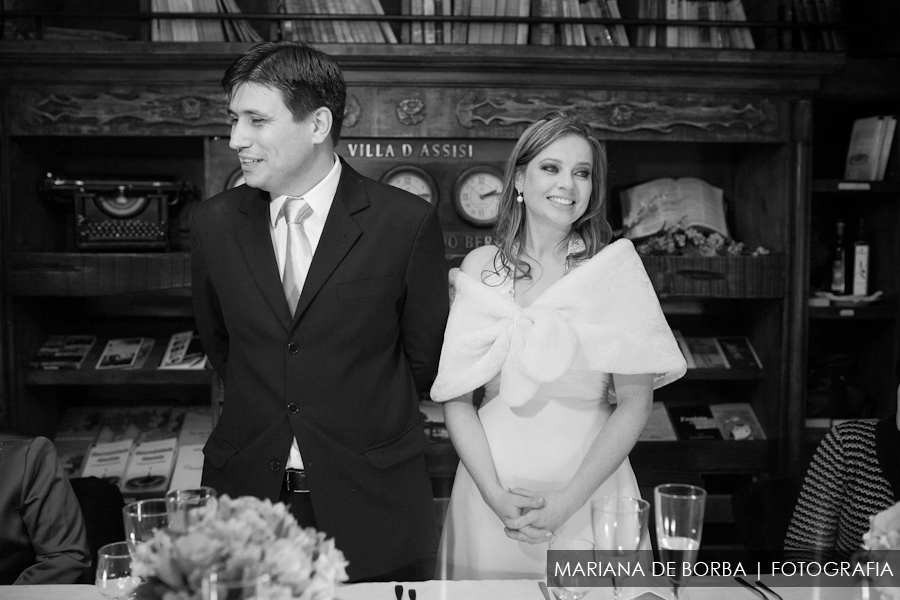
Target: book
<point x="659" y="427"/>
<point x="107" y="460"/>
<point x="72" y="454"/>
<point x="188" y="467"/>
<point x="739" y="352"/>
<point x="122" y="353"/>
<point x="196" y="427"/>
<point x="867" y="141"/>
<point x="887" y="140"/>
<point x="460" y="29"/>
<point x="694" y="422"/>
<point x="184" y="352"/>
<point x="685" y="350"/>
<point x="596" y="34"/>
<point x="140" y="423"/>
<point x="737" y="421"/>
<point x="621" y="36"/>
<point x="63" y="352"/>
<point x="660" y="204"/>
<point x="740" y="36"/>
<point x="149" y="468"/>
<point x="706" y="353"/>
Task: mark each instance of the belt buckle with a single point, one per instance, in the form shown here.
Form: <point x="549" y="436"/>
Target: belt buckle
<point x="295" y="481"/>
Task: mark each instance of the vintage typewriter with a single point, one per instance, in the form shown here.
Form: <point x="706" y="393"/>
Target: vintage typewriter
<point x="120" y="214"/>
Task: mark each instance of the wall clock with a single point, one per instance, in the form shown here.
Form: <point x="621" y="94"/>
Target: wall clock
<point x="414" y="180"/>
<point x="476" y="195"/>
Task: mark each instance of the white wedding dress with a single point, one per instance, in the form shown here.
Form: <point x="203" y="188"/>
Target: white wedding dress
<point x="546" y="371"/>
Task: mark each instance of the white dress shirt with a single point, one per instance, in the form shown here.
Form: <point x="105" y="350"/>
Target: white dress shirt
<point x="319" y="198"/>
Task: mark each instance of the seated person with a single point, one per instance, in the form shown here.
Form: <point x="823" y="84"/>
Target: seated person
<point x="854" y="474"/>
<point x="42" y="534"/>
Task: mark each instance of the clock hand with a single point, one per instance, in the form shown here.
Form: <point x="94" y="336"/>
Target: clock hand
<point x="490" y="193"/>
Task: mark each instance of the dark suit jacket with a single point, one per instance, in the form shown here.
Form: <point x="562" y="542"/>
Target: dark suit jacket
<point x="42" y="536"/>
<point x="344" y="375"/>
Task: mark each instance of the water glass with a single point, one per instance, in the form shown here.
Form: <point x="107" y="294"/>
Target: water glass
<point x="620" y="530"/>
<point x="114" y="579"/>
<point x="679" y="527"/>
<point x="182" y="506"/>
<point x="585" y="550"/>
<point x="244" y="586"/>
<point x="142" y="518"/>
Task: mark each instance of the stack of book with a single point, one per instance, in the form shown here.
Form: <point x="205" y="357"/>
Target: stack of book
<point x="337" y="30"/>
<point x="144" y="450"/>
<point x="735" y="421"/>
<point x="870" y="147"/>
<point x="200" y="30"/>
<point x="694" y="36"/>
<point x="723" y="352"/>
<point x="183" y="352"/>
<point x="825" y="18"/>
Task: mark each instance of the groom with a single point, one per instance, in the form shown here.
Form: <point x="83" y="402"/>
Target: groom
<point x="321" y="298"/>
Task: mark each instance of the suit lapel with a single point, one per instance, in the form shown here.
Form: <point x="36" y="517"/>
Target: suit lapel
<point x="340" y="233"/>
<point x="256" y="244"/>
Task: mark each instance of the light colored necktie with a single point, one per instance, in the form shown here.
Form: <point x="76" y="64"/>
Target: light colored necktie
<point x="298" y="253"/>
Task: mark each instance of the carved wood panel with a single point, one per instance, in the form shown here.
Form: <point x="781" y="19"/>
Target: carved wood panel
<point x="411" y="112"/>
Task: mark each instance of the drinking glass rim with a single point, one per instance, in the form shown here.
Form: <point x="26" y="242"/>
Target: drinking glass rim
<point x="643" y="504"/>
<point x="133" y="508"/>
<point x="114" y="554"/>
<point x="690" y="491"/>
<point x="209" y="491"/>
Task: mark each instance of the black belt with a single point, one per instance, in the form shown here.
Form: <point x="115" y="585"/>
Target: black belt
<point x="295" y="481"/>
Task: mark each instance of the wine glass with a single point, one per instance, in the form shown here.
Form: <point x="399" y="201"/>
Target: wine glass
<point x="243" y="585"/>
<point x="576" y="550"/>
<point x="142" y="518"/>
<point x="114" y="579"/>
<point x="679" y="526"/>
<point x="620" y="528"/>
<point x="182" y="506"/>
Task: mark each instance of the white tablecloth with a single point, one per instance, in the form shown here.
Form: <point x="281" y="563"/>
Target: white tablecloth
<point x="462" y="590"/>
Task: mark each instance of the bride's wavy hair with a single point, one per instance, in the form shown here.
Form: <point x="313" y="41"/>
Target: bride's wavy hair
<point x="509" y="232"/>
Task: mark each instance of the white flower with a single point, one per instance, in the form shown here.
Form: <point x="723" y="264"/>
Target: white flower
<point x="240" y="538"/>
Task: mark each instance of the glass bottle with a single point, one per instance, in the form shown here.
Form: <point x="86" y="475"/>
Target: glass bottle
<point x="861" y="262"/>
<point x="839" y="262"/>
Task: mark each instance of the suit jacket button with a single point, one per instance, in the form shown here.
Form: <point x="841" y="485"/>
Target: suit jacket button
<point x="293" y="408"/>
<point x="293" y="348"/>
<point x="275" y="465"/>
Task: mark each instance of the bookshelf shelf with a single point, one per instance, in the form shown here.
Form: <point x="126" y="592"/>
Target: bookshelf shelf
<point x="731" y="456"/>
<point x="85" y="274"/>
<point x="886" y="311"/>
<point x="723" y="374"/>
<point x="858" y="189"/>
<point x="87" y="375"/>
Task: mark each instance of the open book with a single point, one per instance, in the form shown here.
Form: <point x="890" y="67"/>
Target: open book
<point x="661" y="204"/>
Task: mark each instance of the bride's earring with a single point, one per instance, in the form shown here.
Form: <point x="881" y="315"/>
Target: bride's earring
<point x="520" y="198"/>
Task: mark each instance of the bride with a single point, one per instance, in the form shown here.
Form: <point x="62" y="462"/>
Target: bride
<point x="559" y="327"/>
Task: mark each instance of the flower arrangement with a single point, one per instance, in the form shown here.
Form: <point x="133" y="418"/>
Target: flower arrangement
<point x="882" y="541"/>
<point x="239" y="538"/>
<point x="693" y="242"/>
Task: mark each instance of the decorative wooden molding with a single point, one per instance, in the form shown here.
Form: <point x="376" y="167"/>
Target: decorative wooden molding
<point x="619" y="115"/>
<point x="130" y="112"/>
<point x="352" y="112"/>
<point x="120" y="111"/>
<point x="410" y="111"/>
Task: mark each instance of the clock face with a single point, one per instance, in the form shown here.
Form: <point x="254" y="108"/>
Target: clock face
<point x="477" y="196"/>
<point x="414" y="180"/>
